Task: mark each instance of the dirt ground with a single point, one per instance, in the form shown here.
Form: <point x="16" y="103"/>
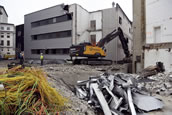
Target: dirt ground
<point x="63" y="77"/>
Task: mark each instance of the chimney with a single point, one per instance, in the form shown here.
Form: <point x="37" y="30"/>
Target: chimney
<point x="113" y="4"/>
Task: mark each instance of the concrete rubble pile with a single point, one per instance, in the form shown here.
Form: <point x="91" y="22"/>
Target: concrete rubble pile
<point x="116" y="94"/>
<point x="158" y="84"/>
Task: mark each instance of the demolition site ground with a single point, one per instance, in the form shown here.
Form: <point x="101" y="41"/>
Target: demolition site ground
<point x="64" y="78"/>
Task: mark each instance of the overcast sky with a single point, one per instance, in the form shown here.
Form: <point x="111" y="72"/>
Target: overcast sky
<point x="16" y="9"/>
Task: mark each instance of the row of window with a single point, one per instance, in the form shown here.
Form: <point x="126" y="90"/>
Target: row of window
<point x="3" y="49"/>
<point x="2" y="35"/>
<point x="3" y="28"/>
<point x="2" y="43"/>
<point x="51" y="20"/>
<point x="61" y="34"/>
<point x="50" y="51"/>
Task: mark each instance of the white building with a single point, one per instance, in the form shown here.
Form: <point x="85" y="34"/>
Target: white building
<point x="92" y="26"/>
<point x="7" y="35"/>
<point x="158" y="33"/>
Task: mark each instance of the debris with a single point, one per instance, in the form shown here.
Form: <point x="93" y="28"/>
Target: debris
<point x="147" y="103"/>
<point x="152" y="70"/>
<point x="115" y="94"/>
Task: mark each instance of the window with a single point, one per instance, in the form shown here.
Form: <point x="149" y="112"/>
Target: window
<point x="1" y="12"/>
<point x="8" y="28"/>
<point x="93" y="39"/>
<point x="2" y="36"/>
<point x="2" y="28"/>
<point x="130" y="30"/>
<point x="51" y="20"/>
<point x="2" y="42"/>
<point x="93" y="24"/>
<point x="157" y="34"/>
<point x="8" y="35"/>
<point x="8" y="43"/>
<point x="2" y="49"/>
<point x="120" y="20"/>
<point x="53" y="35"/>
<point x="8" y="53"/>
<point x="8" y="49"/>
<point x="51" y="51"/>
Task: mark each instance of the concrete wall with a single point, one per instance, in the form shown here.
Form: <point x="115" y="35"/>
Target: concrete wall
<point x="47" y="43"/>
<point x="3" y="17"/>
<point x="110" y="22"/>
<point x="97" y="16"/>
<point x="163" y="55"/>
<point x="80" y="24"/>
<point x="158" y="16"/>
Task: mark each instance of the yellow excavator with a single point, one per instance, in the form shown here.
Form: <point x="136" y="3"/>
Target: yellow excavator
<point x="92" y="54"/>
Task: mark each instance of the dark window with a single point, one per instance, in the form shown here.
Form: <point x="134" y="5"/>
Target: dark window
<point x="2" y="49"/>
<point x="8" y="28"/>
<point x="50" y="51"/>
<point x="51" y="20"/>
<point x="61" y="34"/>
<point x="8" y="36"/>
<point x="93" y="24"/>
<point x="8" y="52"/>
<point x="8" y="43"/>
<point x="120" y="20"/>
<point x="2" y="28"/>
<point x="2" y="36"/>
<point x="93" y="39"/>
<point x="2" y="42"/>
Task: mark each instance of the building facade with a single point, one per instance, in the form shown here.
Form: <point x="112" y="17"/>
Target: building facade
<point x="53" y="30"/>
<point x="92" y="26"/>
<point x="48" y="31"/>
<point x="158" y="33"/>
<point x="19" y="39"/>
<point x="7" y="36"/>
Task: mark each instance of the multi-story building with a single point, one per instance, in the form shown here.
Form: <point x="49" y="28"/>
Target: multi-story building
<point x="158" y="33"/>
<point x="92" y="26"/>
<point x="53" y="30"/>
<point x="19" y="39"/>
<point x="7" y="35"/>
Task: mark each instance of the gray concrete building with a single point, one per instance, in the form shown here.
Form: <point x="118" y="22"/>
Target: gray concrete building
<point x="47" y="31"/>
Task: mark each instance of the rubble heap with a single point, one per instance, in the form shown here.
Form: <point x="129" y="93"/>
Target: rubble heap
<point x="160" y="83"/>
<point x="116" y="94"/>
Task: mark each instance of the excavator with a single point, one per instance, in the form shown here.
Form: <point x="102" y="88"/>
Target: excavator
<point x="92" y="54"/>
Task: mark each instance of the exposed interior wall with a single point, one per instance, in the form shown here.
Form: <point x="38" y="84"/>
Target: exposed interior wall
<point x="158" y="30"/>
<point x="163" y="55"/>
<point x="158" y="16"/>
<point x="81" y="24"/>
<point x="97" y="16"/>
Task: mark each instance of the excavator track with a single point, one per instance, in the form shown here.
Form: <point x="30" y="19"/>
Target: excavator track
<point x="92" y="61"/>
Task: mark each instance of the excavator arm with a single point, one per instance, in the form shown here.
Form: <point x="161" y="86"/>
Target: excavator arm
<point x="114" y="35"/>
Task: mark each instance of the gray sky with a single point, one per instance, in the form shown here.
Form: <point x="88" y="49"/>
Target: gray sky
<point x="16" y="9"/>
